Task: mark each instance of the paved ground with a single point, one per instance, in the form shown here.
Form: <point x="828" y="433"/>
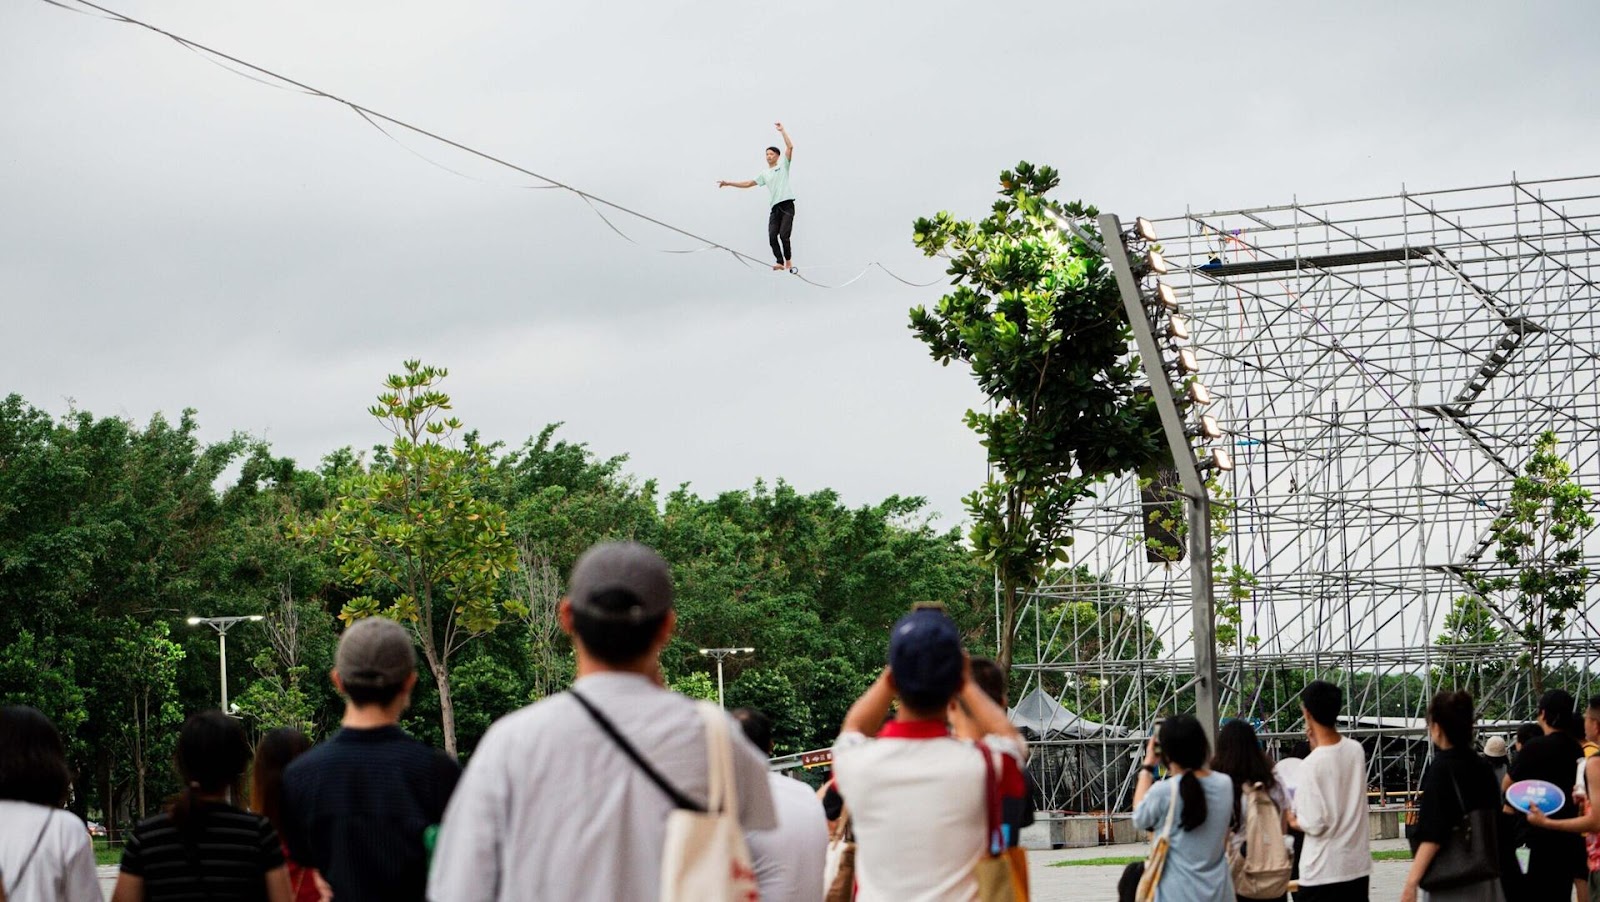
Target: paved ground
<point x="1093" y="884"/>
<point x="1099" y="884"/>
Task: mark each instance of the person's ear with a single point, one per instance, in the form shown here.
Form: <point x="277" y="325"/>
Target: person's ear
<point x="669" y="623"/>
<point x="338" y="684"/>
<point x="564" y="614"/>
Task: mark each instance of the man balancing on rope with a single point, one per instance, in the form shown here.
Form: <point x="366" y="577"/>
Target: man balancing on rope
<point x="780" y="222"/>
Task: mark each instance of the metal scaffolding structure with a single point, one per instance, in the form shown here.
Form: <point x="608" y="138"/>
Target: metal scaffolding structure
<point x="1382" y="367"/>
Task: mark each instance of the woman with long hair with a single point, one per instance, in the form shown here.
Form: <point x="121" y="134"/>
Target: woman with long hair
<point x="1456" y="783"/>
<point x="45" y="852"/>
<point x="202" y="847"/>
<point x="1197" y="803"/>
<point x="1240" y="756"/>
<point x="273" y="753"/>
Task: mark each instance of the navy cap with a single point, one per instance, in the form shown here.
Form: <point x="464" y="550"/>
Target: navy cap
<point x="925" y="656"/>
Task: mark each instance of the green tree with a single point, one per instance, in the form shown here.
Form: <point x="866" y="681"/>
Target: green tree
<point x="695" y="684"/>
<point x="562" y="500"/>
<point x="1539" y="538"/>
<point x="769" y="691"/>
<point x="416" y="533"/>
<point x="146" y="664"/>
<point x="1037" y="317"/>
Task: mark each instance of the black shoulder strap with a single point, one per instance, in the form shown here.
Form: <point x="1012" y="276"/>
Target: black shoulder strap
<point x="678" y="798"/>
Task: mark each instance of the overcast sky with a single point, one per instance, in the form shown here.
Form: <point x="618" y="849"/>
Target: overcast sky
<point x="174" y="236"/>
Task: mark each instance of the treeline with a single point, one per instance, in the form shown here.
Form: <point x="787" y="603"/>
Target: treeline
<point x="113" y="534"/>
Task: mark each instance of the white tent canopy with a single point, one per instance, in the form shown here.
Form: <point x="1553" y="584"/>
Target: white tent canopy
<point x="1046" y="718"/>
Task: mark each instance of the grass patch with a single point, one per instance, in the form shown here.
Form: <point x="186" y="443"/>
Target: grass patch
<point x="1119" y="861"/>
<point x="105" y="853"/>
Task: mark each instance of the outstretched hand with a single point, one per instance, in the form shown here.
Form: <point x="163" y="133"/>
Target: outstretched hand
<point x="722" y="184"/>
<point x="780" y="126"/>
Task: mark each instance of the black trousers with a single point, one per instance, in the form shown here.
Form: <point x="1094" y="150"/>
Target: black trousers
<point x="1347" y="891"/>
<point x="780" y="223"/>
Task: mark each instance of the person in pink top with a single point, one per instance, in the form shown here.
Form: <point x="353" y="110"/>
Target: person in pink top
<point x="273" y="754"/>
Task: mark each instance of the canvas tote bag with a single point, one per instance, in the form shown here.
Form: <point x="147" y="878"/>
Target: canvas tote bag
<point x="1155" y="864"/>
<point x="705" y="858"/>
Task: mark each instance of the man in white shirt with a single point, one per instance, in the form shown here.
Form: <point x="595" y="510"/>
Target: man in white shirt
<point x="788" y="861"/>
<point x="917" y="796"/>
<point x="552" y="805"/>
<point x="1330" y="805"/>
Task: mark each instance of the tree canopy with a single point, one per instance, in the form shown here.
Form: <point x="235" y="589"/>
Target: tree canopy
<point x="1035" y="314"/>
<point x="113" y="533"/>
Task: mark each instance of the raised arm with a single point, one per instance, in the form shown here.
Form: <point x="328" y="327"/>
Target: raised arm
<point x="867" y="714"/>
<point x="788" y="145"/>
<point x="749" y="183"/>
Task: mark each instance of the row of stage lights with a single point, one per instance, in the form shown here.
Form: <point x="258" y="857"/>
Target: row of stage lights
<point x="1168" y="320"/>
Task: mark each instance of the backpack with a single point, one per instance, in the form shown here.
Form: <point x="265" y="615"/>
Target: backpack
<point x="1261" y="869"/>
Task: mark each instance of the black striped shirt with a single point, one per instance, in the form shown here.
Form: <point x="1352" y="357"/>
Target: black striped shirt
<point x="223" y="856"/>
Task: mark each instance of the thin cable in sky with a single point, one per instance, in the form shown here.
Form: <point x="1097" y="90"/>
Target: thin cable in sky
<point x="371" y="115"/>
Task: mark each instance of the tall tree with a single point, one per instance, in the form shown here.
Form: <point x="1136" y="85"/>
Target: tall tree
<point x="1539" y="539"/>
<point x="146" y="667"/>
<point x="1037" y="317"/>
<point x="417" y="534"/>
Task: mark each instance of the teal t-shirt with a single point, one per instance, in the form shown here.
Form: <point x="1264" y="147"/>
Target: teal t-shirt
<point x="777" y="181"/>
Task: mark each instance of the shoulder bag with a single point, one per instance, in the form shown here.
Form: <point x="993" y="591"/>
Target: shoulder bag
<point x="1156" y="862"/>
<point x="1002" y="872"/>
<point x="839" y="868"/>
<point x="1470" y="854"/>
<point x="704" y="857"/>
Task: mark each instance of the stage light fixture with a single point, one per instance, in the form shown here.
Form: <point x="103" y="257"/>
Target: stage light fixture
<point x="1199" y="393"/>
<point x="1188" y="361"/>
<point x="1168" y="297"/>
<point x="1146" y="228"/>
<point x="1209" y="428"/>
<point x="1155" y="262"/>
<point x="1178" y="326"/>
<point x="1218" y="459"/>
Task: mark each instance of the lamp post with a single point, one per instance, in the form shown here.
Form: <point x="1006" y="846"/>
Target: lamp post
<point x="222" y="625"/>
<point x="719" y="654"/>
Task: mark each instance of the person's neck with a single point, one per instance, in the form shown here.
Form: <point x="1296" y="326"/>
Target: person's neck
<point x="369" y="717"/>
<point x="1324" y="735"/>
<point x="220" y="795"/>
<point x="903" y="714"/>
<point x="647" y="666"/>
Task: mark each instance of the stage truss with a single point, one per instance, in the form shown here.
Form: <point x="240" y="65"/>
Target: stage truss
<point x="1382" y="366"/>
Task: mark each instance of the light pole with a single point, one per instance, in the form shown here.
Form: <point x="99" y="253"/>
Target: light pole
<point x="719" y="654"/>
<point x="222" y="625"/>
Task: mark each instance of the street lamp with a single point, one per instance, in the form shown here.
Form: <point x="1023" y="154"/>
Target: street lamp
<point x="222" y="625"/>
<point x="719" y="654"/>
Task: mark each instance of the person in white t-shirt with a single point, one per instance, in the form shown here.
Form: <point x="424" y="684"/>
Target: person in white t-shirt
<point x="1330" y="804"/>
<point x="45" y="852"/>
<point x="918" y="796"/>
<point x="789" y="860"/>
<point x="552" y="804"/>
